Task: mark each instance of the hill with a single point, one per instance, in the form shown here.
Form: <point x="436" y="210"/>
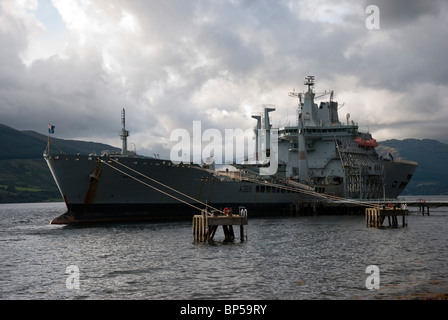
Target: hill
<point x="30" y="144"/>
<point x="431" y="176"/>
<point x="24" y="175"/>
<point x="18" y="145"/>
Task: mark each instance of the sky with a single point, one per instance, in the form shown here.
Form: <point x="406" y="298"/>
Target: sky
<point x="77" y="63"/>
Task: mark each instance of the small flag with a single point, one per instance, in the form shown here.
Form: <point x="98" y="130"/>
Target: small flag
<point x="50" y="128"/>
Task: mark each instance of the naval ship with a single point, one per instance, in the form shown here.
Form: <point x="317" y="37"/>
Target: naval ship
<point x="318" y="161"/>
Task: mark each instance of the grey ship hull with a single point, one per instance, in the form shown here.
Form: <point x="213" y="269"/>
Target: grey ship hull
<point x="397" y="175"/>
<point x="95" y="192"/>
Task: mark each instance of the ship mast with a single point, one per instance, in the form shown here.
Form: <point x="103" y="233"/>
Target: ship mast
<point x="309" y="81"/>
<point x="124" y="134"/>
<point x="304" y="119"/>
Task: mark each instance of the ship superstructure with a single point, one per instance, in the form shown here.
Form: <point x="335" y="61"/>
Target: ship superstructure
<point x="315" y="159"/>
<point x="334" y="157"/>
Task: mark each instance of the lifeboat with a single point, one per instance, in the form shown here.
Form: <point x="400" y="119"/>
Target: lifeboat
<point x="361" y="142"/>
<point x="371" y="143"/>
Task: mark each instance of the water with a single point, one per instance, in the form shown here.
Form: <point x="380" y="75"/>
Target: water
<point x="284" y="258"/>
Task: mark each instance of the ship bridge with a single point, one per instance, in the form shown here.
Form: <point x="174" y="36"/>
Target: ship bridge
<point x="290" y="133"/>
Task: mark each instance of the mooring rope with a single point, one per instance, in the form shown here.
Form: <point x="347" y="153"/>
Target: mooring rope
<point x="160" y="183"/>
<point x="146" y="184"/>
<point x="311" y="193"/>
<point x="264" y="183"/>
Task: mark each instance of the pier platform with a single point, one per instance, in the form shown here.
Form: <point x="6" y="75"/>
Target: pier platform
<point x="376" y="216"/>
<point x="206" y="224"/>
<point x="356" y="206"/>
<point x="424" y="205"/>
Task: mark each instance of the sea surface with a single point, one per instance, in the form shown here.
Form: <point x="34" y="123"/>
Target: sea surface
<point x="322" y="257"/>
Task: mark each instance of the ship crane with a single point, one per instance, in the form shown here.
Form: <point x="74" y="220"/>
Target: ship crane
<point x="295" y="94"/>
<point x="299" y="95"/>
<point x="323" y="94"/>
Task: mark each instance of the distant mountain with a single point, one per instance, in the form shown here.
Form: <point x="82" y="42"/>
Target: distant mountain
<point x="431" y="176"/>
<point x="15" y="144"/>
<point x="30" y="144"/>
<point x="24" y="175"/>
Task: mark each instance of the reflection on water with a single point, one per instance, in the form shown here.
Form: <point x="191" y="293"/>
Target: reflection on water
<point x="284" y="258"/>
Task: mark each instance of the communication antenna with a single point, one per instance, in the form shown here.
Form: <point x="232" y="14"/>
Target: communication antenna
<point x="309" y="81"/>
<point x="124" y="133"/>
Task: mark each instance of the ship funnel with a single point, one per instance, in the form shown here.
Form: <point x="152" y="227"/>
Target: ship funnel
<point x="303" y="160"/>
<point x="257" y="131"/>
<point x="267" y="127"/>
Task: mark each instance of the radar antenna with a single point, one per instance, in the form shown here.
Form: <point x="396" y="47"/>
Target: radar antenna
<point x="309" y="81"/>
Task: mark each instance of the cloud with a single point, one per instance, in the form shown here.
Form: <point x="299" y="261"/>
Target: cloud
<point x="397" y="13"/>
<point x="172" y="62"/>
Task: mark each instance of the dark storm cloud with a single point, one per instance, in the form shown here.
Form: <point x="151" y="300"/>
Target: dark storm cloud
<point x="171" y="62"/>
<point x="396" y="13"/>
<point x="73" y="95"/>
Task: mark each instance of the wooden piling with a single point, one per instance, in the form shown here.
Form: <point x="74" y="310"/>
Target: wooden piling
<point x="375" y="216"/>
<point x="206" y="224"/>
<point x="422" y="205"/>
